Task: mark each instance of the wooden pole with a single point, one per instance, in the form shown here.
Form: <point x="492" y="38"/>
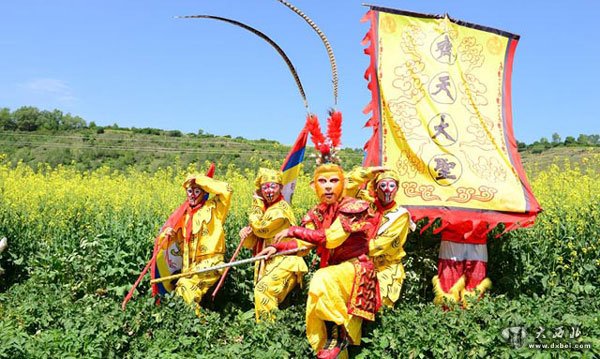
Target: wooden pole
<point x="224" y="275"/>
<point x="225" y="265"/>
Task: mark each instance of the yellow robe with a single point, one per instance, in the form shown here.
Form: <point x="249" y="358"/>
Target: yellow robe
<point x="207" y="244"/>
<point x="274" y="279"/>
<point x="387" y="251"/>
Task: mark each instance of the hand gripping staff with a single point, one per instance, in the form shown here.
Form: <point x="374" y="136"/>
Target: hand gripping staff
<point x="226" y="265"/>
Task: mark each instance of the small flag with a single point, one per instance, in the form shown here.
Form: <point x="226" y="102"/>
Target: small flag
<point x="291" y="165"/>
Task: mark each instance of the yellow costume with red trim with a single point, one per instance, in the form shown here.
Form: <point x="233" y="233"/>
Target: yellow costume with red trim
<point x="201" y="239"/>
<point x="275" y="278"/>
<point x="386" y="247"/>
<point x="344" y="290"/>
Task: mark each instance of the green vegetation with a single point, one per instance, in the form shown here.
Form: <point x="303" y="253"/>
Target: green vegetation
<point x="33" y="136"/>
<point x="80" y="234"/>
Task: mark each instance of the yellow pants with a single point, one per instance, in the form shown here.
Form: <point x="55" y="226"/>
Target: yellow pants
<point x="328" y="295"/>
<point x="390" y="277"/>
<point x="277" y="279"/>
<point x="193" y="288"/>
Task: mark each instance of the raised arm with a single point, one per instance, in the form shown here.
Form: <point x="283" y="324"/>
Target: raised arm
<point x="221" y="190"/>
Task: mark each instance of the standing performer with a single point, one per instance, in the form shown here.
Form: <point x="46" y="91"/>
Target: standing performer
<point x="462" y="263"/>
<point x="393" y="223"/>
<point x="344" y="290"/>
<point x="271" y="214"/>
<point x="199" y="235"/>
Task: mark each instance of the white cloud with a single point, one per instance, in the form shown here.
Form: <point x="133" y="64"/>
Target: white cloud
<point x="57" y="89"/>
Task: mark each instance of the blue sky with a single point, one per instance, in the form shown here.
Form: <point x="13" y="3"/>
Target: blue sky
<point x="132" y="63"/>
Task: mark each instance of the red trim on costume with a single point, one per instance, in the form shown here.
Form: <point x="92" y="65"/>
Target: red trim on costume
<point x="365" y="298"/>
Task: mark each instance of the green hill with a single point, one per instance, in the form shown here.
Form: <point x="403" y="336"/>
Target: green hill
<point x="36" y="136"/>
<point x="122" y="148"/>
<point x="534" y="160"/>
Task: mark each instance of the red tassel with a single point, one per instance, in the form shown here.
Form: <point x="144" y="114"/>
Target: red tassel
<point x="334" y="128"/>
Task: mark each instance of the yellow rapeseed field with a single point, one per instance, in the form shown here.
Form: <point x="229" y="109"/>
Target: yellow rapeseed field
<point x="52" y="197"/>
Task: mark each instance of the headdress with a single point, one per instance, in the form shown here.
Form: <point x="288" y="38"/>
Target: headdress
<point x="191" y="179"/>
<point x="327" y="146"/>
<point x="267" y="175"/>
<point x="391" y="174"/>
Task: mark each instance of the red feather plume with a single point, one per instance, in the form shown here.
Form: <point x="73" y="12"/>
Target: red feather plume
<point x="313" y="127"/>
<point x="334" y="128"/>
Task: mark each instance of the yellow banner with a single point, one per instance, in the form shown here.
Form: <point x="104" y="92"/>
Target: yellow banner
<point x="444" y="103"/>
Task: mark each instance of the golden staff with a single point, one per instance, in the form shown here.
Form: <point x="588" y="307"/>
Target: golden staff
<point x="225" y="265"/>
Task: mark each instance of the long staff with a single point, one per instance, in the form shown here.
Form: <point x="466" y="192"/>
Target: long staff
<point x="225" y="265"/>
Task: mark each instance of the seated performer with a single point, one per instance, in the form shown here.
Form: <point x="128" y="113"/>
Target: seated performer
<point x="344" y="290"/>
<point x="270" y="214"/>
<point x="199" y="235"/>
<point x="393" y="222"/>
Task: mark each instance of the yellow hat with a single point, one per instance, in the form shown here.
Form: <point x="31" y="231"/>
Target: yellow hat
<point x="191" y="179"/>
<point x="267" y="175"/>
<point x="391" y="174"/>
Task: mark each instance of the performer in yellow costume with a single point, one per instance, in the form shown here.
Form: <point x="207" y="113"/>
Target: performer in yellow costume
<point x="344" y="290"/>
<point x="199" y="234"/>
<point x="386" y="247"/>
<point x="271" y="214"/>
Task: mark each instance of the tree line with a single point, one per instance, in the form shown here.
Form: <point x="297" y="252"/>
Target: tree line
<point x="543" y="143"/>
<point x="29" y="119"/>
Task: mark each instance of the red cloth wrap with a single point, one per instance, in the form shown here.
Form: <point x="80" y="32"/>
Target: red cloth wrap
<point x="365" y="299"/>
<point x="466" y="232"/>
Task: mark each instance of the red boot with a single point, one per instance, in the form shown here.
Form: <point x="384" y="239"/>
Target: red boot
<point x="336" y="342"/>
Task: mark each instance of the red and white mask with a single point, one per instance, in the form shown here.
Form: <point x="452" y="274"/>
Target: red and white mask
<point x="386" y="191"/>
<point x="270" y="191"/>
<point x="195" y="195"/>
